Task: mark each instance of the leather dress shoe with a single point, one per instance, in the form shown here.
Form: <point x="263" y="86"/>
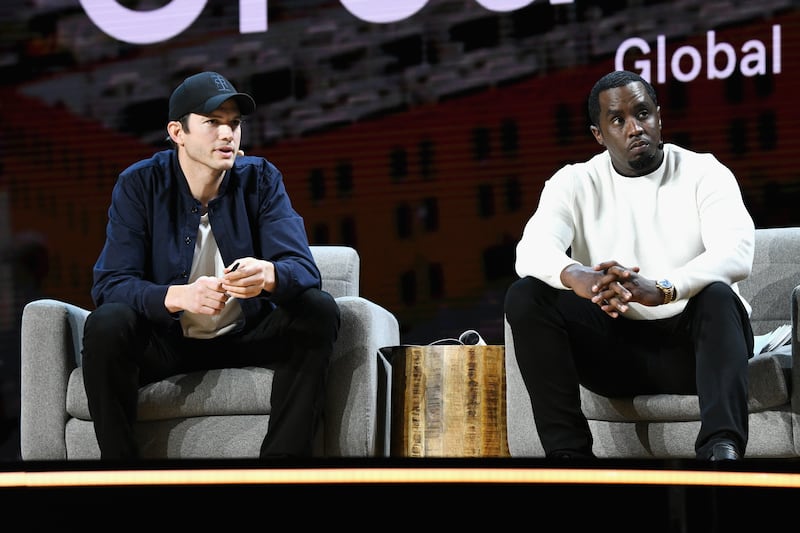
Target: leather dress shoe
<point x="724" y="450"/>
<point x="570" y="454"/>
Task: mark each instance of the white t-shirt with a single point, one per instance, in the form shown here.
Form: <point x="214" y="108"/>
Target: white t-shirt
<point x="685" y="222"/>
<point x="207" y="261"/>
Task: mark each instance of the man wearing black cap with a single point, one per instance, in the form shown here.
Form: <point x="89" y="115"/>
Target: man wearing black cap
<point x="206" y="265"/>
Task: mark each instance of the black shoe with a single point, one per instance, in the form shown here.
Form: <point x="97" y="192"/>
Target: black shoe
<point x="724" y="450"/>
<point x="559" y="455"/>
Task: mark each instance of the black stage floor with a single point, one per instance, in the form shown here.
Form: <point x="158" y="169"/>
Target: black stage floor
<point x="377" y="493"/>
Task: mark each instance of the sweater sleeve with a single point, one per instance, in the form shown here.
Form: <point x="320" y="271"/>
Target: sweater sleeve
<point x="542" y="250"/>
<point x="727" y="232"/>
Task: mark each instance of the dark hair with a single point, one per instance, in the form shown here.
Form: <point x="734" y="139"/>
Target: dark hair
<point x="612" y="80"/>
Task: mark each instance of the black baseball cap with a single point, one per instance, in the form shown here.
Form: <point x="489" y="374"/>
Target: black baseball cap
<point x="203" y="93"/>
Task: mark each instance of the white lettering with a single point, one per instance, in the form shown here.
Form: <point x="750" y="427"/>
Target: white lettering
<point x="252" y="16"/>
<point x="397" y="10"/>
<point x="509" y="5"/>
<point x="383" y="12"/>
<point x="776" y="49"/>
<point x="755" y="63"/>
<point x="143" y="27"/>
<point x="161" y="24"/>
<point x="642" y="64"/>
<point x="164" y="23"/>
<point x="696" y="63"/>
<point x="512" y="5"/>
<point x="712" y="49"/>
<point x="686" y="62"/>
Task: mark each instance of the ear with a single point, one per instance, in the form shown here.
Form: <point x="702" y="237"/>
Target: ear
<point x="175" y="131"/>
<point x="598" y="135"/>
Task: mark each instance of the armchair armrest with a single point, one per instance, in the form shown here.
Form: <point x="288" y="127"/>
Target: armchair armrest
<point x="795" y="399"/>
<point x="356" y="408"/>
<point x="51" y="340"/>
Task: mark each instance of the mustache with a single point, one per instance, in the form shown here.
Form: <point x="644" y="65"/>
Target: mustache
<point x="660" y="145"/>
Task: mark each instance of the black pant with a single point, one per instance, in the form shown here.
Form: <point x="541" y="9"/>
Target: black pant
<point x="122" y="351"/>
<point x="562" y="340"/>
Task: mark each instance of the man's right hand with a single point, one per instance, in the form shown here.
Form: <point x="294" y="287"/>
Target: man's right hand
<point x="603" y="284"/>
<point x="205" y="296"/>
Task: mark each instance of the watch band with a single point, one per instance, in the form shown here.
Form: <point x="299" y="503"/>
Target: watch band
<point x="667" y="296"/>
<point x="667" y="289"/>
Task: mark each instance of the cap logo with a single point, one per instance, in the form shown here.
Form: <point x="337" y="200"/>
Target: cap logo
<point x="222" y="84"/>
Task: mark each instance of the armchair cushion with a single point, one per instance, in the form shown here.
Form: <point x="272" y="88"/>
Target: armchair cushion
<point x="218" y="392"/>
<point x="768" y="389"/>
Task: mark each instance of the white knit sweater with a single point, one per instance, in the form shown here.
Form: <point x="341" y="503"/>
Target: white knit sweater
<point x="685" y="222"/>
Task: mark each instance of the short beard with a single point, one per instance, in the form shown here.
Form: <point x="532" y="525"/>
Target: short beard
<point x="642" y="163"/>
<point x="645" y="162"/>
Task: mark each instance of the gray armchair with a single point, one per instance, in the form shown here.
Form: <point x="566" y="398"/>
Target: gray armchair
<point x="213" y="414"/>
<point x="666" y="425"/>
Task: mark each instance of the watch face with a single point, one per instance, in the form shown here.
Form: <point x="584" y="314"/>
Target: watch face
<point x="665" y="284"/>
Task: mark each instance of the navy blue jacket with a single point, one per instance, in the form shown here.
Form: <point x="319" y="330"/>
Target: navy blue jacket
<point x="152" y="229"/>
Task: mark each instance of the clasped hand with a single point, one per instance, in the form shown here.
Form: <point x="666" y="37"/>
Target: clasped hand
<point x="208" y="294"/>
<point x="611" y="286"/>
<point x="614" y="286"/>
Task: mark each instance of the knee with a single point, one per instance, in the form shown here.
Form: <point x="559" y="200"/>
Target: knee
<point x="519" y="297"/>
<point x="719" y="300"/>
<point x="108" y="329"/>
<point x="320" y="306"/>
<point x="318" y="313"/>
<point x="108" y="322"/>
<point x="717" y="294"/>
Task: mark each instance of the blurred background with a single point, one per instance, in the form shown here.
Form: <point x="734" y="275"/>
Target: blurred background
<point x="418" y="132"/>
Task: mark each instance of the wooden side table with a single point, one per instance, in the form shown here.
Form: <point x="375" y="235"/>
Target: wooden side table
<point x="448" y="401"/>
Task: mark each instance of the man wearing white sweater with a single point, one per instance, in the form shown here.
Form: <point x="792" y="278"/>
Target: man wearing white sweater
<point x="628" y="272"/>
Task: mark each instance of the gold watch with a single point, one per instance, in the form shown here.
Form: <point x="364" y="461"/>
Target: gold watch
<point x="667" y="289"/>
